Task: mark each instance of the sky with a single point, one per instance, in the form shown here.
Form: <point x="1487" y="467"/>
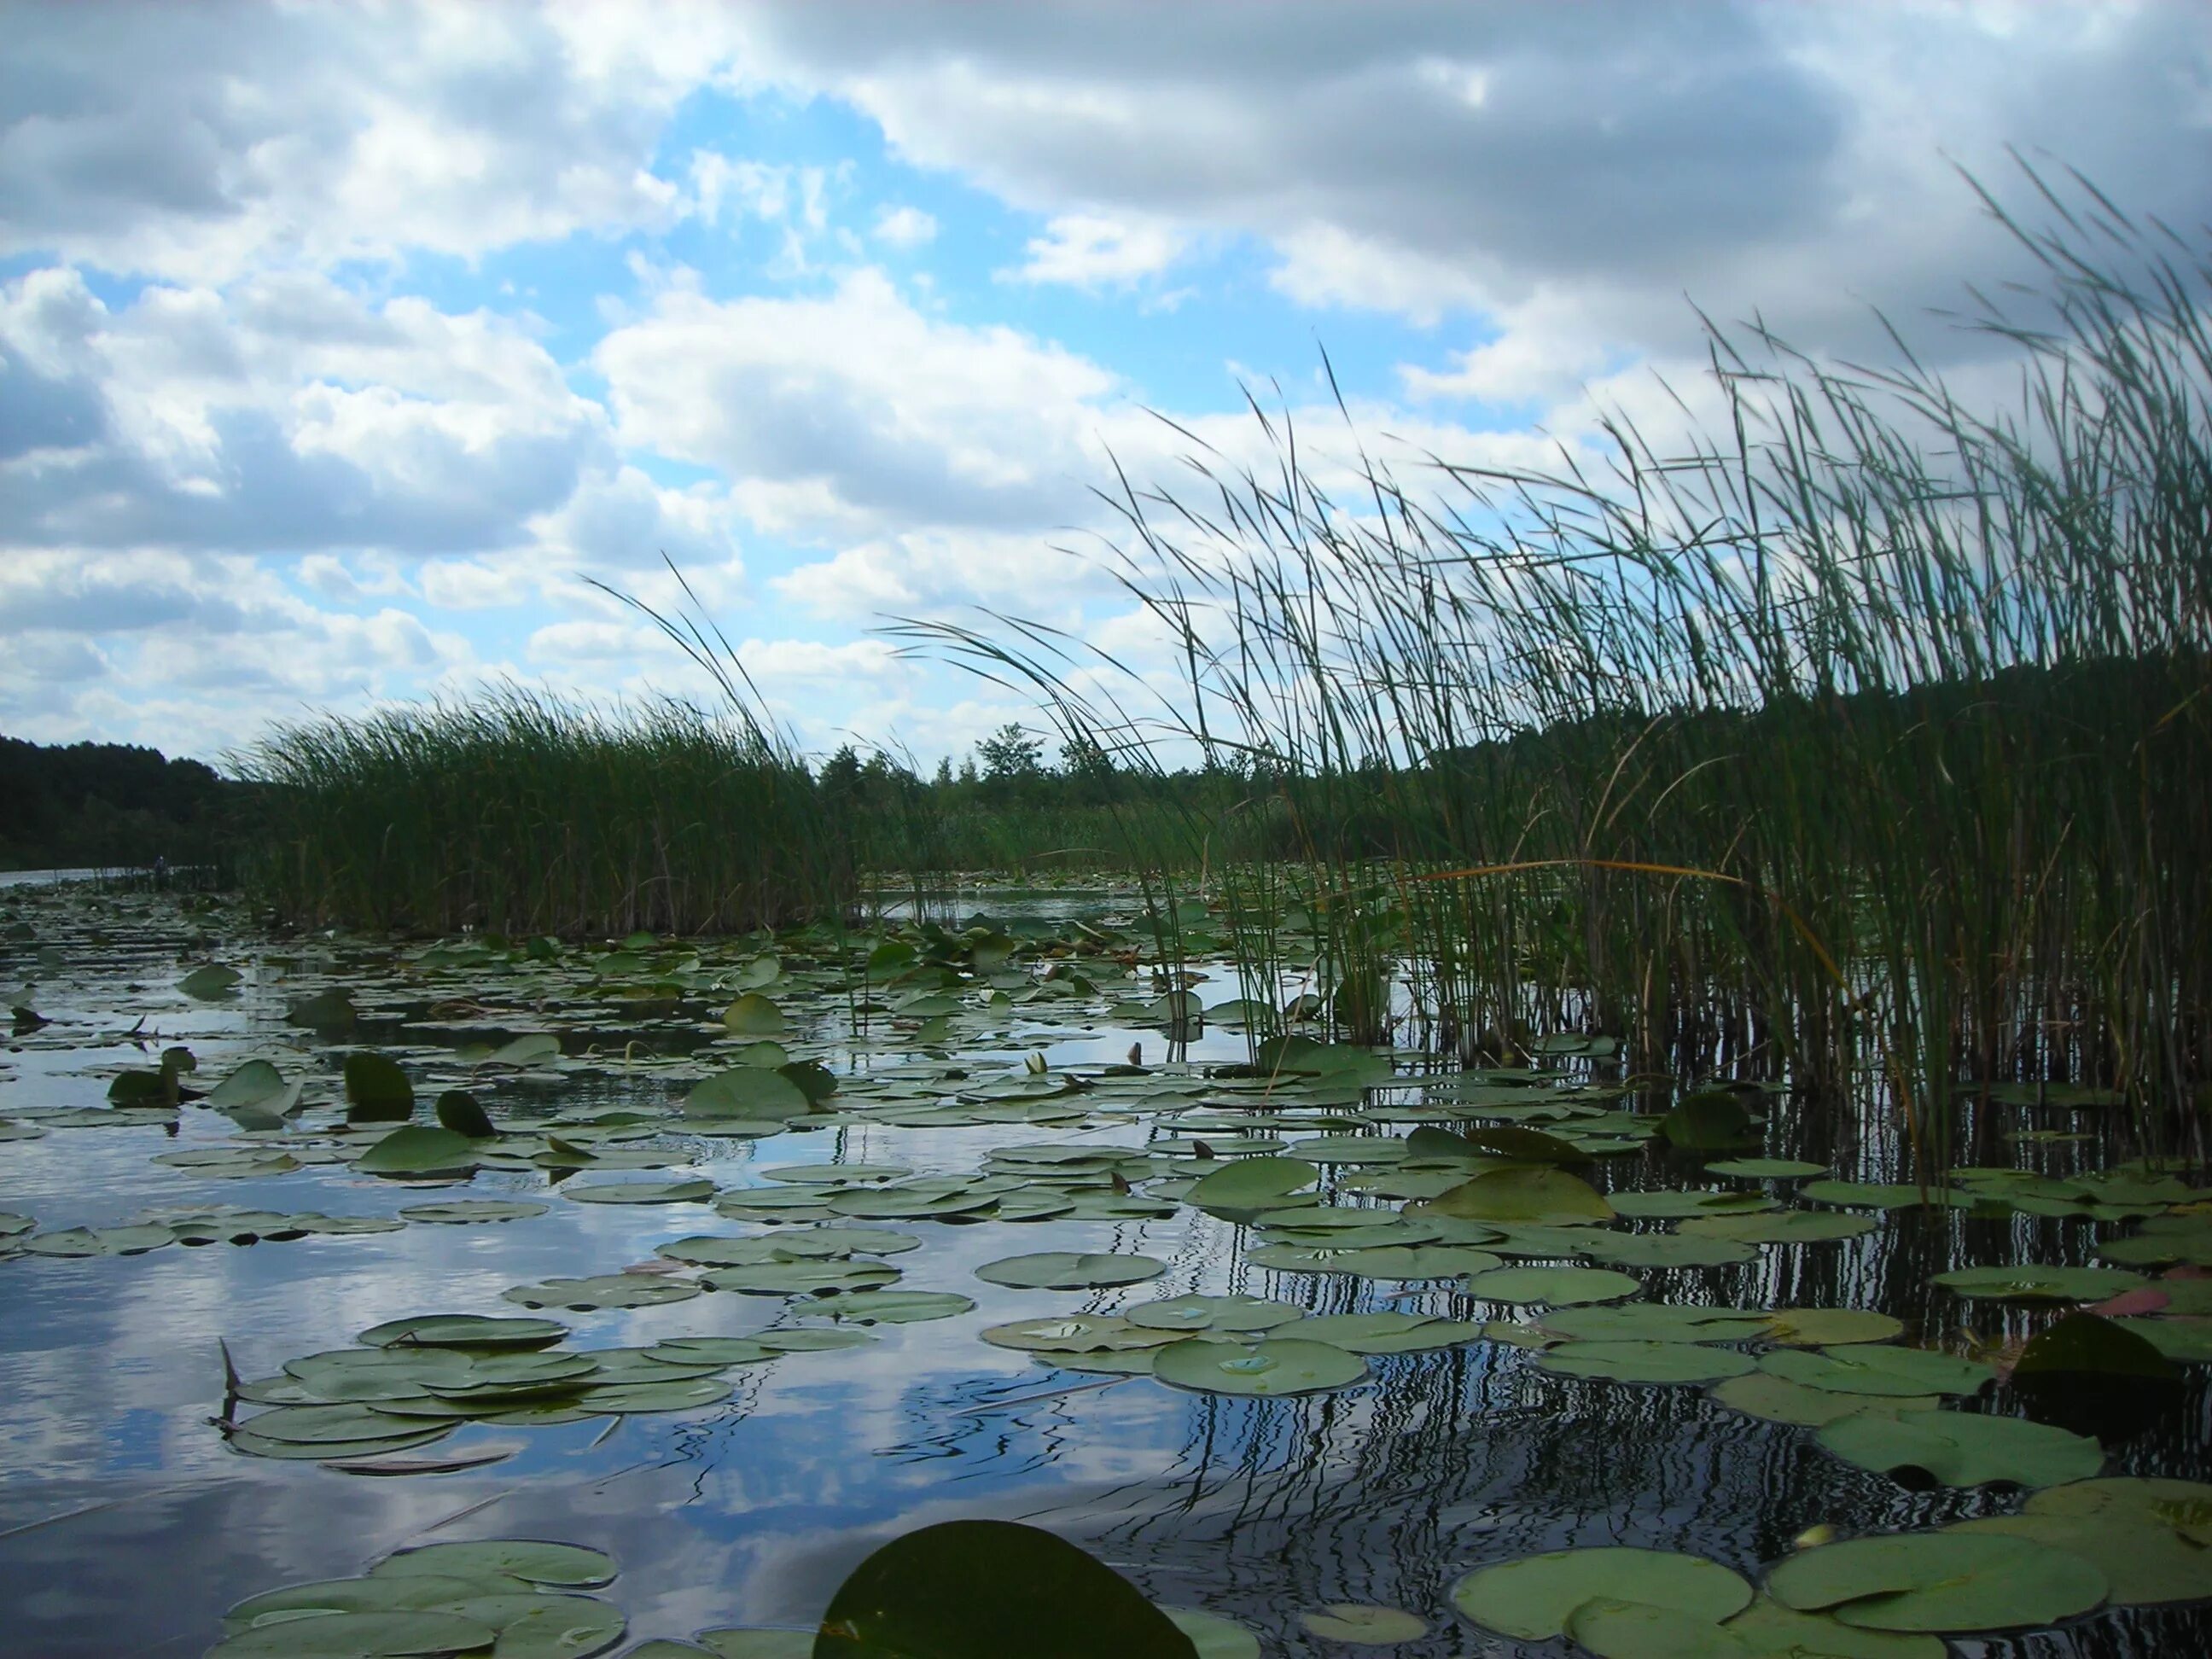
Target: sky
<point x="344" y="348"/>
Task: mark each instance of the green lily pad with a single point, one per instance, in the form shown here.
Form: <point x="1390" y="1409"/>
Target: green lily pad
<point x="1663" y="1251"/>
<point x="459" y="1110"/>
<point x="747" y="1091"/>
<point x="1532" y="1598"/>
<point x="1766" y="1169"/>
<point x="1962" y="1448"/>
<point x="1362" y="1625"/>
<point x="471" y="1211"/>
<point x="1539" y="1194"/>
<point x="535" y="1561"/>
<point x="1212" y="1312"/>
<point x="357" y="1636"/>
<point x="1821" y="1328"/>
<point x="1939" y="1582"/>
<point x="995" y="1586"/>
<point x="1272" y="1367"/>
<point x="605" y="1291"/>
<point x="732" y="1642"/>
<point x="1668" y="1207"/>
<point x="694" y="1191"/>
<point x="1644" y="1362"/>
<point x="1777" y="1400"/>
<point x="1655" y="1322"/>
<point x="804" y="1278"/>
<point x="213" y="980"/>
<point x="2030" y="1283"/>
<point x="680" y="1393"/>
<point x="2083" y="1344"/>
<point x="893" y="1307"/>
<point x="416" y="1150"/>
<point x="1712" y="1120"/>
<point x="1077" y="1333"/>
<point x="1768" y="1627"/>
<point x="559" y="1628"/>
<point x="1869" y="1195"/>
<point x="755" y="1015"/>
<point x="1613" y="1629"/>
<point x="1253" y="1183"/>
<point x="1387" y="1332"/>
<point x="1558" y="1287"/>
<point x="1064" y="1270"/>
<point x="1781" y="1227"/>
<point x="2144" y="1564"/>
<point x="2183" y="1505"/>
<point x="1871" y="1368"/>
<point x="376" y="1090"/>
<point x="464" y="1331"/>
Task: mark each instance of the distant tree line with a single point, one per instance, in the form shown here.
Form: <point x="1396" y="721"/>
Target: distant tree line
<point x="112" y="804"/>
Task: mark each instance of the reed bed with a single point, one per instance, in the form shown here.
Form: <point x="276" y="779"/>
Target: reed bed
<point x="1866" y="733"/>
<point x="520" y="814"/>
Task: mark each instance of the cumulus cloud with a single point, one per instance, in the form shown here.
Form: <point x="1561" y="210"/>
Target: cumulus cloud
<point x="904" y="227"/>
<point x="1087" y="250"/>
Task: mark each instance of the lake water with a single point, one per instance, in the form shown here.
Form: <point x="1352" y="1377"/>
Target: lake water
<point x="127" y="1523"/>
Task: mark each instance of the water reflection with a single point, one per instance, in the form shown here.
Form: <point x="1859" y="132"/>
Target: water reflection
<point x="113" y="1480"/>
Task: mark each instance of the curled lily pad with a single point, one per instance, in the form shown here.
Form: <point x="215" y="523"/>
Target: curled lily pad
<point x="211" y="981"/>
<point x="1534" y="1597"/>
<point x="1273" y="1366"/>
<point x="1963" y="1449"/>
<point x="1518" y="1194"/>
<point x="996" y="1587"/>
<point x="1644" y="1361"/>
<point x="376" y="1090"/>
<point x="1939" y="1582"/>
<point x="1555" y="1286"/>
<point x="1064" y="1270"/>
<point x="464" y="1331"/>
<point x="416" y="1150"/>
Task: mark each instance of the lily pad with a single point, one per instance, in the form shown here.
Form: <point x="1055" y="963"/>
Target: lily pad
<point x="1768" y="1627"/>
<point x="2030" y="1283"/>
<point x="1962" y="1448"/>
<point x="417" y="1150"/>
<point x="1871" y="1368"/>
<point x="1385" y="1332"/>
<point x="1820" y="1327"/>
<point x="1655" y="1322"/>
<point x="1939" y="1582"/>
<point x="1766" y="1169"/>
<point x="535" y="1561"/>
<point x="1212" y="1312"/>
<point x="1777" y="1400"/>
<point x="471" y="1211"/>
<point x="694" y="1191"/>
<point x="1532" y="1598"/>
<point x="1364" y="1626"/>
<point x="1253" y="1183"/>
<point x="1064" y="1270"/>
<point x="1644" y="1362"/>
<point x="1518" y="1194"/>
<point x="1558" y="1287"/>
<point x="357" y="1636"/>
<point x="2183" y="1505"/>
<point x="376" y="1090"/>
<point x="2144" y="1564"/>
<point x="1272" y="1367"/>
<point x="605" y="1291"/>
<point x="893" y="1307"/>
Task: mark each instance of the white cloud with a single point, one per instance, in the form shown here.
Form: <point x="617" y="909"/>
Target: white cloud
<point x="904" y="227"/>
<point x="1088" y="250"/>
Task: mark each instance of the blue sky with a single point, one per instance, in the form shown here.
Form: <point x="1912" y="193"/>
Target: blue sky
<point x="341" y="348"/>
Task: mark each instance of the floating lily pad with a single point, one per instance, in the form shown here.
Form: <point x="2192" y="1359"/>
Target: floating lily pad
<point x="1768" y="1627"/>
<point x="1963" y="1449"/>
<point x="1663" y="1251"/>
<point x="2144" y="1564"/>
<point x="357" y="1636"/>
<point x="1364" y="1626"/>
<point x="695" y="1191"/>
<point x="535" y="1561"/>
<point x="1657" y="1206"/>
<point x="804" y="1278"/>
<point x="1212" y="1312"/>
<point x="1781" y="1227"/>
<point x="1273" y="1366"/>
<point x="464" y="1331"/>
<point x="1870" y="1195"/>
<point x="1820" y="1327"/>
<point x="1253" y="1183"/>
<point x="2030" y="1283"/>
<point x="893" y="1307"/>
<point x="1064" y="1270"/>
<point x="1777" y="1400"/>
<point x="1939" y="1582"/>
<point x="1655" y="1322"/>
<point x="1558" y="1287"/>
<point x="1385" y="1332"/>
<point x="2183" y="1505"/>
<point x="1871" y="1368"/>
<point x="1522" y="1195"/>
<point x="2083" y="1344"/>
<point x="1613" y="1629"/>
<point x="469" y="1212"/>
<point x="1766" y="1169"/>
<point x="1532" y="1598"/>
<point x="604" y="1291"/>
<point x="417" y="1150"/>
<point x="1644" y="1362"/>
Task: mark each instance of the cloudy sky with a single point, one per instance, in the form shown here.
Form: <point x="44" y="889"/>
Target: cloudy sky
<point x="340" y="344"/>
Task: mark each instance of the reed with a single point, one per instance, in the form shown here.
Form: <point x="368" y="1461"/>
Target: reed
<point x="1868" y="733"/>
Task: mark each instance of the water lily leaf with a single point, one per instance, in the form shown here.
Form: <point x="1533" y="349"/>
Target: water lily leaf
<point x="467" y="1212"/>
<point x="456" y="1109"/>
<point x="993" y="1587"/>
<point x="2144" y="1564"/>
<point x="1397" y="1262"/>
<point x="1212" y="1636"/>
<point x="2183" y="1505"/>
<point x="716" y="1351"/>
<point x="327" y="1010"/>
<point x="1821" y="1328"/>
<point x="1212" y="1312"/>
<point x="893" y="1307"/>
<point x="755" y="1015"/>
<point x="732" y="1644"/>
<point x="747" y="1091"/>
<point x="1768" y="1627"/>
<point x="530" y="1049"/>
<point x="205" y="984"/>
<point x="1520" y="1144"/>
<point x="357" y="1636"/>
<point x="1777" y="1400"/>
<point x="1712" y="1120"/>
<point x="1766" y="1168"/>
<point x="805" y="1278"/>
<point x="1782" y="1227"/>
<point x="1252" y="1183"/>
<point x="426" y="1593"/>
<point x="348" y="1423"/>
<point x="1644" y="1362"/>
<point x="1961" y="1448"/>
<point x="1655" y="1321"/>
<point x="1364" y="1626"/>
<point x="1272" y="1367"/>
<point x="1521" y="1194"/>
<point x="376" y="1090"/>
<point x="2082" y="1344"/>
<point x="1868" y="1195"/>
<point x="1939" y="1582"/>
<point x="1534" y="1597"/>
<point x="256" y="1083"/>
<point x="464" y="1331"/>
<point x="1697" y="1201"/>
<point x="696" y="1190"/>
<point x="417" y="1150"/>
<point x="1613" y="1629"/>
<point x="1560" y="1287"/>
<point x="1663" y="1251"/>
<point x="1872" y="1368"/>
<point x="2031" y="1283"/>
<point x="535" y="1561"/>
<point x="681" y="1394"/>
<point x="605" y="1291"/>
<point x="1064" y="1270"/>
<point x="1078" y="1334"/>
<point x="559" y="1628"/>
<point x="1388" y="1331"/>
<point x="99" y="1241"/>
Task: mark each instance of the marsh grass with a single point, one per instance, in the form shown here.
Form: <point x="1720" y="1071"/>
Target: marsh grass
<point x="518" y="813"/>
<point x="1862" y="732"/>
